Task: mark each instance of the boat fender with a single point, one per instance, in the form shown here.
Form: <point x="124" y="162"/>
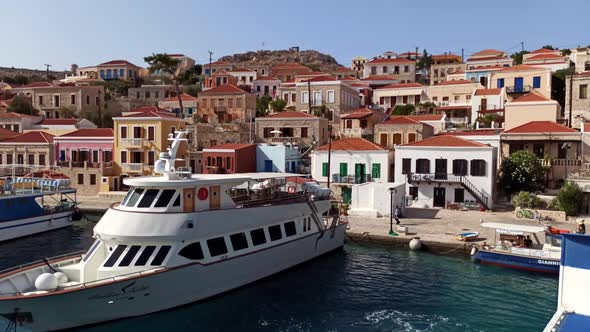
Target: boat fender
<point x="291" y="189"/>
<point x="46" y="282"/>
<point x="415" y="244"/>
<point x="76" y="215"/>
<point x="202" y="194"/>
<point x="473" y="250"/>
<point x="62" y="278"/>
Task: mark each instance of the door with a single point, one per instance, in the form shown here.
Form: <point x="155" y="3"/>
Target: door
<point x="268" y="165"/>
<point x="518" y="84"/>
<point x="214" y="197"/>
<point x="484" y="104"/>
<point x="440" y="169"/>
<point x="383" y="140"/>
<point x="359" y="173"/>
<point x="188" y="201"/>
<point x="439" y="197"/>
<point x="346" y="195"/>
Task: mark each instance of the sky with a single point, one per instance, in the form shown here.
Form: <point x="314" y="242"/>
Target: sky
<point x="89" y="32"/>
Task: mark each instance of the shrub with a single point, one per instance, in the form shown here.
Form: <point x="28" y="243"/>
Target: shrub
<point x="554" y="205"/>
<point x="522" y="171"/>
<point x="527" y="200"/>
<point x="570" y="197"/>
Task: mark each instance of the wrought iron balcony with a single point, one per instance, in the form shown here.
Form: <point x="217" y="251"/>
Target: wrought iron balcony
<point x="518" y="89"/>
<point x="131" y="142"/>
<point x="352" y="179"/>
<point x="132" y="167"/>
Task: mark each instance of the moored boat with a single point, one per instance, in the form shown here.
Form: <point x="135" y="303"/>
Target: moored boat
<point x="514" y="250"/>
<point x="175" y="239"/>
<point x="467" y="236"/>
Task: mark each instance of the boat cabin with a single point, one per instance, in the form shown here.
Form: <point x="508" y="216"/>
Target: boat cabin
<point x="525" y="240"/>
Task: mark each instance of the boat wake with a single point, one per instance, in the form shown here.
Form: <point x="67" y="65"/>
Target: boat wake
<point x="395" y="320"/>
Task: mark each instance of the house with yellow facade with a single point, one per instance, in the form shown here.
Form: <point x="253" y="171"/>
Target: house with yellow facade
<point x="522" y="79"/>
<point x="139" y="138"/>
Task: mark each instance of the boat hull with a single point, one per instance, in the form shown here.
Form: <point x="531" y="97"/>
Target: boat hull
<point x="528" y="263"/>
<point x="10" y="230"/>
<point x="165" y="289"/>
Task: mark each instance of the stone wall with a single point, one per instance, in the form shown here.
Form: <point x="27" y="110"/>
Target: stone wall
<point x="87" y="187"/>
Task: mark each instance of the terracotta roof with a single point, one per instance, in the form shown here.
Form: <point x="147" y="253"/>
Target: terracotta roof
<point x="402" y="86"/>
<point x="587" y="127"/>
<point x="36" y="85"/>
<point x="290" y="114"/>
<point x="150" y="112"/>
<point x="379" y="78"/>
<point x="492" y="111"/>
<point x="488" y="51"/>
<point x="323" y="78"/>
<point x="31" y="137"/>
<point x="485" y="68"/>
<point x="358" y="114"/>
<point x="446" y="141"/>
<point x="266" y="78"/>
<point x="97" y="132"/>
<point x="488" y="92"/>
<point x="454" y="82"/>
<point x="58" y="122"/>
<point x="393" y="60"/>
<point x="229" y="146"/>
<point x="542" y="50"/>
<point x="584" y="74"/>
<point x="486" y="132"/>
<point x="224" y="89"/>
<point x="541" y="127"/>
<point x="343" y="69"/>
<point x="446" y="56"/>
<point x="12" y="115"/>
<point x="352" y="144"/>
<point x="5" y="134"/>
<point x="545" y="56"/>
<point x="183" y="96"/>
<point x="216" y="63"/>
<point x="495" y="57"/>
<point x="399" y="119"/>
<point x="116" y="62"/>
<point x="454" y="107"/>
<point x="530" y="97"/>
<point x="521" y="68"/>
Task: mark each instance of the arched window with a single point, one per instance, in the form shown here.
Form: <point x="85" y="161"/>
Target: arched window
<point x="478" y="167"/>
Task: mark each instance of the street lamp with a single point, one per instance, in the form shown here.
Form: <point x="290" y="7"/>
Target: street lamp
<point x="391" y="232"/>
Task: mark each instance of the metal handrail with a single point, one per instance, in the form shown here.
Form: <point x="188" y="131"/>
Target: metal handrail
<point x="450" y="178"/>
<point x="19" y="267"/>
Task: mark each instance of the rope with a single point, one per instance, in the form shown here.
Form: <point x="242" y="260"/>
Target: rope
<point x="450" y="251"/>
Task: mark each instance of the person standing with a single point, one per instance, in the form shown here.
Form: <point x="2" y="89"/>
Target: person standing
<point x="581" y="228"/>
<point x="396" y="214"/>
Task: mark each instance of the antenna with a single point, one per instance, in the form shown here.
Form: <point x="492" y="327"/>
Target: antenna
<point x="48" y="65"/>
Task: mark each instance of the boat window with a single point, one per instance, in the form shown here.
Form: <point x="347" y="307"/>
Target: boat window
<point x="161" y="255"/>
<point x="177" y="201"/>
<point x="258" y="236"/>
<point x="148" y="198"/>
<point x="192" y="251"/>
<point x="290" y="228"/>
<point x="238" y="241"/>
<point x="275" y="232"/>
<point x="115" y="255"/>
<point x="126" y="197"/>
<point x="91" y="250"/>
<point x="217" y="246"/>
<point x="134" y="197"/>
<point x="128" y="258"/>
<point x="145" y="255"/>
<point x="165" y="198"/>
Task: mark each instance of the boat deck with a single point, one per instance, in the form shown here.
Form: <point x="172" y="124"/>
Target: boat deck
<point x="574" y="322"/>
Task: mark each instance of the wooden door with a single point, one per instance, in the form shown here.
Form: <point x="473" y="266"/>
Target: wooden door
<point x="214" y="197"/>
<point x="484" y="104"/>
<point x="439" y="197"/>
<point x="383" y="140"/>
<point x="188" y="200"/>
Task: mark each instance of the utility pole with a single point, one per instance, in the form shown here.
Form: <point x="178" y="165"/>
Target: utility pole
<point x="100" y="110"/>
<point x="210" y="55"/>
<point x="329" y="151"/>
<point x="47" y="65"/>
<point x="572" y="72"/>
<point x="309" y="96"/>
<point x="416" y="53"/>
<point x="463" y="55"/>
<point x="522" y="46"/>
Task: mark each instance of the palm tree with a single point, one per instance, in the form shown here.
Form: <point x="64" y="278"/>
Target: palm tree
<point x="163" y="63"/>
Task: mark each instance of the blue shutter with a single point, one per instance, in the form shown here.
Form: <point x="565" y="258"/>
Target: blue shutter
<point x="500" y="83"/>
<point x="536" y="82"/>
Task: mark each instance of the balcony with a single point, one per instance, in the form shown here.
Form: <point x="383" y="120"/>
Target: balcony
<point x="356" y="132"/>
<point x="518" y="89"/>
<point x="577" y="163"/>
<point x="351" y="179"/>
<point x="83" y="164"/>
<point x="220" y="109"/>
<point x="132" y="167"/>
<point x="489" y="108"/>
<point x="281" y="140"/>
<point x="131" y="142"/>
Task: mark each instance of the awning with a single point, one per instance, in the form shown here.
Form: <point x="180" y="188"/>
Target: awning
<point x="513" y="228"/>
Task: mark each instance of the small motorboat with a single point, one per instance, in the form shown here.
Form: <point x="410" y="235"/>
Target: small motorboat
<point x="467" y="236"/>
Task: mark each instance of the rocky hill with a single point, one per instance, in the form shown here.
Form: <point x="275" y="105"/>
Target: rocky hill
<point x="313" y="59"/>
<point x="32" y="74"/>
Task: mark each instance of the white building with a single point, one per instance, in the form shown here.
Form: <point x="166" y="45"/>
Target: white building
<point x="489" y="57"/>
<point x="581" y="57"/>
<point x="373" y="199"/>
<point x="400" y="69"/>
<point x="267" y="86"/>
<point x="546" y="58"/>
<point x="447" y="169"/>
<point x="244" y="76"/>
<point x="487" y="108"/>
<point x="399" y="94"/>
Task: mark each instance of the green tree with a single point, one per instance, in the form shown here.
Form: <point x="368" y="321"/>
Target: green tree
<point x="166" y="65"/>
<point x="403" y="109"/>
<point x="566" y="51"/>
<point x="278" y="105"/>
<point x="570" y="197"/>
<point x="262" y="105"/>
<point x="21" y="79"/>
<point x="425" y="107"/>
<point x="425" y="61"/>
<point x="193" y="90"/>
<point x="22" y="105"/>
<point x="522" y="171"/>
<point x="548" y="46"/>
<point x="67" y="112"/>
<point x="558" y="86"/>
<point x="517" y="57"/>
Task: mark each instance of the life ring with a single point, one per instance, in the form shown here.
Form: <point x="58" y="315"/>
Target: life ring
<point x="202" y="194"/>
<point x="291" y="189"/>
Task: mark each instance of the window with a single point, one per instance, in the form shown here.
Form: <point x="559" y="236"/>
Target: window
<point x="128" y="258"/>
<point x="147" y="95"/>
<point x="121" y="72"/>
<point x="192" y="251"/>
<point x="238" y="241"/>
<point x="373" y="70"/>
<point x="148" y="198"/>
<point x="73" y="97"/>
<point x="40" y="100"/>
<point x="404" y="100"/>
<point x="478" y="167"/>
<point x="384" y="69"/>
<point x="230" y="103"/>
<point x="161" y="255"/>
<point x="376" y="171"/>
<point x="137" y="132"/>
<point x="266" y="132"/>
<point x="151" y="157"/>
<point x="157" y="94"/>
<point x="500" y="83"/>
<point x="145" y="255"/>
<point x="343" y="169"/>
<point x="31" y="159"/>
<point x="536" y="82"/>
<point x="304" y="97"/>
<point x="290" y="228"/>
<point x="406" y="166"/>
<point x="457" y="98"/>
<point x="92" y="179"/>
<point x="80" y="178"/>
<point x="165" y="198"/>
<point x="151" y="133"/>
<point x="406" y="69"/>
<point x="583" y="91"/>
<point x="414" y="192"/>
<point x="459" y="167"/>
<point x="217" y="246"/>
<point x="177" y="201"/>
<point x="411" y="137"/>
<point x="56" y="101"/>
<point x="422" y="166"/>
<point x="459" y="195"/>
<point x="258" y="236"/>
<point x="324" y="169"/>
<point x="96" y="100"/>
<point x="123" y="130"/>
<point x="134" y="197"/>
<point x="317" y="98"/>
<point x="115" y="255"/>
<point x="397" y="138"/>
<point x="303" y="132"/>
<point x="123" y="157"/>
<point x="239" y="102"/>
<point x="330" y="96"/>
<point x="275" y="232"/>
<point x="41" y="159"/>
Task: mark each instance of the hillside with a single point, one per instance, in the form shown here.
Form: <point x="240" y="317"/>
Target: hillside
<point x="310" y="58"/>
<point x="32" y="74"/>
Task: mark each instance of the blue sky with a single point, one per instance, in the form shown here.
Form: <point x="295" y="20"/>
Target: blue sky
<point x="88" y="32"/>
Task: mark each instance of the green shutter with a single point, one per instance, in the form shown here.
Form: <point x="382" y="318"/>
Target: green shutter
<point x="376" y="171"/>
<point x="324" y="169"/>
<point x="343" y="169"/>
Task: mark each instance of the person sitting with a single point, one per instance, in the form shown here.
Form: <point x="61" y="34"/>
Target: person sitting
<point x="528" y="242"/>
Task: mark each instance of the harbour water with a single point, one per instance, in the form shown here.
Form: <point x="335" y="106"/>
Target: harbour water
<point x="361" y="288"/>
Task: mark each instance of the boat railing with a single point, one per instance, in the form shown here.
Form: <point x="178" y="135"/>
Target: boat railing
<point x="74" y="254"/>
<point x="23" y="185"/>
<point x="531" y="252"/>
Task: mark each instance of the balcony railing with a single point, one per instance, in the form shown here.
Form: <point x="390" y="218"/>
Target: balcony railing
<point x="352" y="179"/>
<point x="489" y="107"/>
<point x="132" y="167"/>
<point x="355" y="132"/>
<point x="294" y="140"/>
<point x="518" y="89"/>
<point x="131" y="142"/>
<point x="83" y="164"/>
<point x="561" y="162"/>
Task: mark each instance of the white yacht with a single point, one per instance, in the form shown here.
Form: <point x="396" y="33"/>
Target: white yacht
<point x="174" y="239"/>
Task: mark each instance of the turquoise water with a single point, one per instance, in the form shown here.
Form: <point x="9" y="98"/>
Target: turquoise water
<point x="361" y="288"/>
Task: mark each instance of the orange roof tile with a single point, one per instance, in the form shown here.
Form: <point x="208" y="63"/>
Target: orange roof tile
<point x="150" y="112"/>
<point x="5" y="133"/>
<point x="36" y="85"/>
<point x="31" y="137"/>
<point x="229" y="146"/>
<point x="352" y="144"/>
<point x="13" y="115"/>
<point x="97" y="132"/>
<point x="183" y="96"/>
<point x="358" y="114"/>
<point x="379" y="78"/>
<point x="266" y="78"/>
<point x="454" y="82"/>
<point x="488" y="92"/>
<point x="541" y="127"/>
<point x="116" y="62"/>
<point x="530" y="97"/>
<point x="485" y="68"/>
<point x="393" y="60"/>
<point x="324" y="78"/>
<point x="545" y="56"/>
<point x="224" y="89"/>
<point x="446" y="56"/>
<point x="486" y="132"/>
<point x="397" y="119"/>
<point x="446" y="141"/>
<point x="542" y="50"/>
<point x="521" y="68"/>
<point x="290" y="114"/>
<point x="58" y="122"/>
<point x="494" y="57"/>
<point x="488" y="51"/>
<point x="402" y="86"/>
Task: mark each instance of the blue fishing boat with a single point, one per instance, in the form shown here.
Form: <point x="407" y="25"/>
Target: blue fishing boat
<point x="519" y="247"/>
<point x="30" y="205"/>
<point x="467" y="236"/>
